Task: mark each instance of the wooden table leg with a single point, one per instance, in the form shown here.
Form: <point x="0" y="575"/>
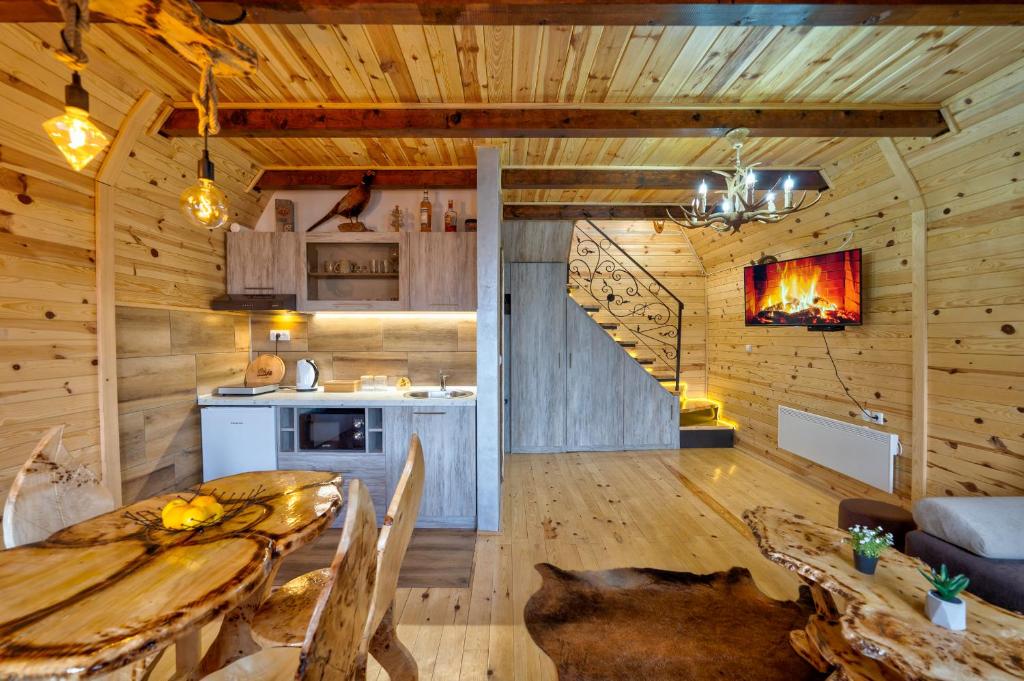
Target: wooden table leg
<point x="187" y="649"/>
<point x="234" y="640"/>
<point x="392" y="655"/>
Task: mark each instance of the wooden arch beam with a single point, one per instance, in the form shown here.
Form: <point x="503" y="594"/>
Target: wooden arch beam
<point x="539" y="122"/>
<point x="593" y="12"/>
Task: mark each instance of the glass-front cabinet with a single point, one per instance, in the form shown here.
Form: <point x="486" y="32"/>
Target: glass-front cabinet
<point x="355" y="271"/>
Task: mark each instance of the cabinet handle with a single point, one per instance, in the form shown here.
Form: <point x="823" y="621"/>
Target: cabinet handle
<point x="428" y="413"/>
<point x="570" y="360"/>
<point x="559" y="360"/>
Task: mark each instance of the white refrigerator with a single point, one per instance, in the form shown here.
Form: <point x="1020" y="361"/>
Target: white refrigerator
<point x="238" y="440"/>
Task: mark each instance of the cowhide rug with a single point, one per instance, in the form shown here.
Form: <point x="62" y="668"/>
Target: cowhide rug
<point x="653" y="625"/>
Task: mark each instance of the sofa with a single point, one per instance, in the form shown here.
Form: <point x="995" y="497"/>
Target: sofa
<point x="981" y="537"/>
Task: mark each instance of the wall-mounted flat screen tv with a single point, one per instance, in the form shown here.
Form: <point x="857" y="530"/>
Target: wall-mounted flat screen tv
<point x="816" y="291"/>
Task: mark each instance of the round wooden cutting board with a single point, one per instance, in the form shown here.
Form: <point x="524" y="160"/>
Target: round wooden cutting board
<point x="264" y="370"/>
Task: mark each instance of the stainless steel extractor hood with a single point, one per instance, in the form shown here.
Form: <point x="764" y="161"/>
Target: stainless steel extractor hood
<point x="251" y="302"/>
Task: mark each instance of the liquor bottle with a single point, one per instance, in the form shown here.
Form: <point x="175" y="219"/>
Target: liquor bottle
<point x="451" y="219"/>
<point x="426" y="213"/>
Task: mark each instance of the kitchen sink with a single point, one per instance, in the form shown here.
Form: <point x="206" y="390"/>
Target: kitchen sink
<point x="438" y="394"/>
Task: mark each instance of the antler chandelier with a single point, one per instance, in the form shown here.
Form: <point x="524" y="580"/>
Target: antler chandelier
<point x="740" y="203"/>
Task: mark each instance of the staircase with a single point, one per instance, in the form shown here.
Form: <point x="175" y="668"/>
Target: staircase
<point x="645" y="319"/>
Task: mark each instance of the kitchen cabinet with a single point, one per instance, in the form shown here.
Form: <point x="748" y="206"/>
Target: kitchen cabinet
<point x="448" y="435"/>
<point x="594" y="396"/>
<point x="354" y="271"/>
<point x="537" y="357"/>
<point x="443" y="271"/>
<point x="261" y="262"/>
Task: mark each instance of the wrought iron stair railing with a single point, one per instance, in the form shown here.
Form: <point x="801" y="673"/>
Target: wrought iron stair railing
<point x="633" y="297"/>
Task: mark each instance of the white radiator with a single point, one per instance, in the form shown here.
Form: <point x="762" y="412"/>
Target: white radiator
<point x="857" y="451"/>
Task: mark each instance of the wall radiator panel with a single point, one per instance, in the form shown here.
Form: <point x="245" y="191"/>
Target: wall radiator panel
<point x="857" y="451"/>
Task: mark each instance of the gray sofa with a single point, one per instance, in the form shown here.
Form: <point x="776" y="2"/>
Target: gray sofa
<point x="981" y="537"/>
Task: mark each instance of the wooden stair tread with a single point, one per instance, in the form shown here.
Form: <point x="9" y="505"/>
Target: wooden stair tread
<point x="609" y="326"/>
<point x="626" y="343"/>
<point x="716" y="425"/>
<point x="697" y="405"/>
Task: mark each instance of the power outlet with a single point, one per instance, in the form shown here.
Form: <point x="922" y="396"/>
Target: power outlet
<point x="874" y="417"/>
<point x="280" y="335"/>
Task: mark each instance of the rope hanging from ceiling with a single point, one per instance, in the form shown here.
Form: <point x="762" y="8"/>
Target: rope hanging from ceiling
<point x="205" y="100"/>
<point x="76" y="23"/>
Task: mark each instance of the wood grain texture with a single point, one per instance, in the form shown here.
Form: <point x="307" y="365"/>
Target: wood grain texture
<point x="93" y="619"/>
<point x="51" y="491"/>
<point x="883" y="617"/>
<point x="536" y="240"/>
<point x="262" y="262"/>
<point x="443" y="276"/>
<point x="593" y="384"/>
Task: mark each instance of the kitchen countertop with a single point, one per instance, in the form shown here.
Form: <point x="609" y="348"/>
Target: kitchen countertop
<point x="289" y="397"/>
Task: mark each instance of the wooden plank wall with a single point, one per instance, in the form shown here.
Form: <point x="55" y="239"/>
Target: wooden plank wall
<point x="971" y="186"/>
<point x="975" y="273"/>
<point x="670" y="258"/>
<point x="48" y="299"/>
<point x="165" y="359"/>
<point x="347" y="347"/>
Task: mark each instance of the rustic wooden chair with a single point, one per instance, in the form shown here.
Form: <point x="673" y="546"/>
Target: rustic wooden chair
<point x="282" y="620"/>
<point x="331" y="646"/>
<point x="51" y="491"/>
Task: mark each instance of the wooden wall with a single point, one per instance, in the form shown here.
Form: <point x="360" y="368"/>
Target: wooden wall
<point x="975" y="276"/>
<point x="671" y="259"/>
<point x="393" y="345"/>
<point x="165" y="359"/>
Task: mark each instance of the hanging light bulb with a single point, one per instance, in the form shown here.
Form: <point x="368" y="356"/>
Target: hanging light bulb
<point x="204" y="204"/>
<point x="75" y="135"/>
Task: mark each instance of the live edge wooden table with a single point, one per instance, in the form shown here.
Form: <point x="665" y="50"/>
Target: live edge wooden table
<point x="108" y="592"/>
<point x="874" y="626"/>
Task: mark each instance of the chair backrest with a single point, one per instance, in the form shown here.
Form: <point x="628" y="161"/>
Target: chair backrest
<point x="333" y="647"/>
<point x="51" y="491"/>
<point x="396" y="533"/>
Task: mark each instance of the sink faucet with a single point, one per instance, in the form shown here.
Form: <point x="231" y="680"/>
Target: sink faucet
<point x="444" y="379"/>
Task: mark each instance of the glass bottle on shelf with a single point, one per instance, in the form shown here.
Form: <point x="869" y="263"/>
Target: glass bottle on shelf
<point x="451" y="218"/>
<point x="426" y="213"/>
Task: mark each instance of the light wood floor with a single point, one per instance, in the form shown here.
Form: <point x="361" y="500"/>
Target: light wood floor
<point x="675" y="509"/>
<point x="595" y="511"/>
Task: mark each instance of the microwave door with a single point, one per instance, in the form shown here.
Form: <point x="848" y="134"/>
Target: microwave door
<point x="324" y="433"/>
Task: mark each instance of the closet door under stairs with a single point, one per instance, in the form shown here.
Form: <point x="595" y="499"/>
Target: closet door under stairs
<point x="594" y="396"/>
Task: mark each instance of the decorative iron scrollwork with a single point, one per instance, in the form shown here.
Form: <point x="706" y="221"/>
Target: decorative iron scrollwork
<point x="627" y="291"/>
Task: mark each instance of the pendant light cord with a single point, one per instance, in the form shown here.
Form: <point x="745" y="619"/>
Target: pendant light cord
<point x="76" y="23"/>
<point x="205" y="100"/>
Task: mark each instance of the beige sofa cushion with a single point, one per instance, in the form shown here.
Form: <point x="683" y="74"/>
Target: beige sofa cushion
<point x="992" y="527"/>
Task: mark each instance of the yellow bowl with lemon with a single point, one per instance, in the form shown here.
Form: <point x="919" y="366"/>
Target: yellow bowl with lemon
<point x="201" y="511"/>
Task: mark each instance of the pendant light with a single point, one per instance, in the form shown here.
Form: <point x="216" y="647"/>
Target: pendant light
<point x="75" y="135"/>
<point x="204" y="204"/>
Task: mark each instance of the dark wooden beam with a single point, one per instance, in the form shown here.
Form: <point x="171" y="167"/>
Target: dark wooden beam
<point x="590" y="12"/>
<point x="537" y="122"/>
<point x="579" y="211"/>
<point x="525" y="178"/>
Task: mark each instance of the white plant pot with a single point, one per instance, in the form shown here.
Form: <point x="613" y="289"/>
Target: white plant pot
<point x="945" y="614"/>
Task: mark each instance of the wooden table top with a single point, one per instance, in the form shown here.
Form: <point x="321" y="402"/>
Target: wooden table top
<point x="108" y="591"/>
<point x="884" y="617"/>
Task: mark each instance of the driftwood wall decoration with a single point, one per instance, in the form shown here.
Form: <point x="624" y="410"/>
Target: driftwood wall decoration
<point x="182" y="25"/>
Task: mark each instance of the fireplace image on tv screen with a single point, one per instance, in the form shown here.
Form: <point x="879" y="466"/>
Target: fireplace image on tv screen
<point x="819" y="291"/>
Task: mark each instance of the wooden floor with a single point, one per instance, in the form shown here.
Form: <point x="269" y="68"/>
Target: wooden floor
<point x="677" y="510"/>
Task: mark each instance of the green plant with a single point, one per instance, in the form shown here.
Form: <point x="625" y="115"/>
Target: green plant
<point x="947" y="588"/>
<point x="870" y="542"/>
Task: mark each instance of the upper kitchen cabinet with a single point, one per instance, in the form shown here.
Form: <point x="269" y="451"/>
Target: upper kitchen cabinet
<point x="260" y="263"/>
<point x="443" y="271"/>
<point x="354" y="271"/>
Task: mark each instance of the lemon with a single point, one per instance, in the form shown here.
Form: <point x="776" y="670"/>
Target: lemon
<point x="205" y="500"/>
<point x="194" y="516"/>
<point x="170" y="515"/>
<point x="216" y="511"/>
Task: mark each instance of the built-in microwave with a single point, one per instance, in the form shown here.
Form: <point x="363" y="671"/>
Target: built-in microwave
<point x="332" y="429"/>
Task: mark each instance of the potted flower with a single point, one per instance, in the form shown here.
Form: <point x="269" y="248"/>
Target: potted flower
<point x="943" y="606"/>
<point x="868" y="545"/>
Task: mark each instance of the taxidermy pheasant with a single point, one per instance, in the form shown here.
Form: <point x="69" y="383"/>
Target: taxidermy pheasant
<point x="350" y="206"/>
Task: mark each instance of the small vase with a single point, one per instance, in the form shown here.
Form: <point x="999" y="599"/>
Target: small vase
<point x="951" y="615"/>
<point x="865" y="564"/>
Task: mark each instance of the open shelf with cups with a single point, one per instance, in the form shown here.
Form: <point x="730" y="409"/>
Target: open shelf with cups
<point x="355" y="271"/>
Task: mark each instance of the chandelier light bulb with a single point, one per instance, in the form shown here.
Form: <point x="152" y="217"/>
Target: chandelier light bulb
<point x="787" y="192"/>
<point x="726" y="206"/>
<point x="770" y="199"/>
<point x="703" y="189"/>
<point x="77" y="137"/>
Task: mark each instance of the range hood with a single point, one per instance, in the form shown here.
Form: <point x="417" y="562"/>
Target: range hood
<point x="251" y="302"/>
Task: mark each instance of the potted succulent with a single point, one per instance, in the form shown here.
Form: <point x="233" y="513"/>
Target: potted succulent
<point x="868" y="545"/>
<point x="943" y="606"/>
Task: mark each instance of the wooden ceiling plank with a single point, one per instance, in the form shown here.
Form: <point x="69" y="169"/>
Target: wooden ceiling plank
<point x="588" y="12"/>
<point x="558" y="122"/>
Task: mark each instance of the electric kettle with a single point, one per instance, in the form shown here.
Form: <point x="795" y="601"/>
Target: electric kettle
<point x="306" y="375"/>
